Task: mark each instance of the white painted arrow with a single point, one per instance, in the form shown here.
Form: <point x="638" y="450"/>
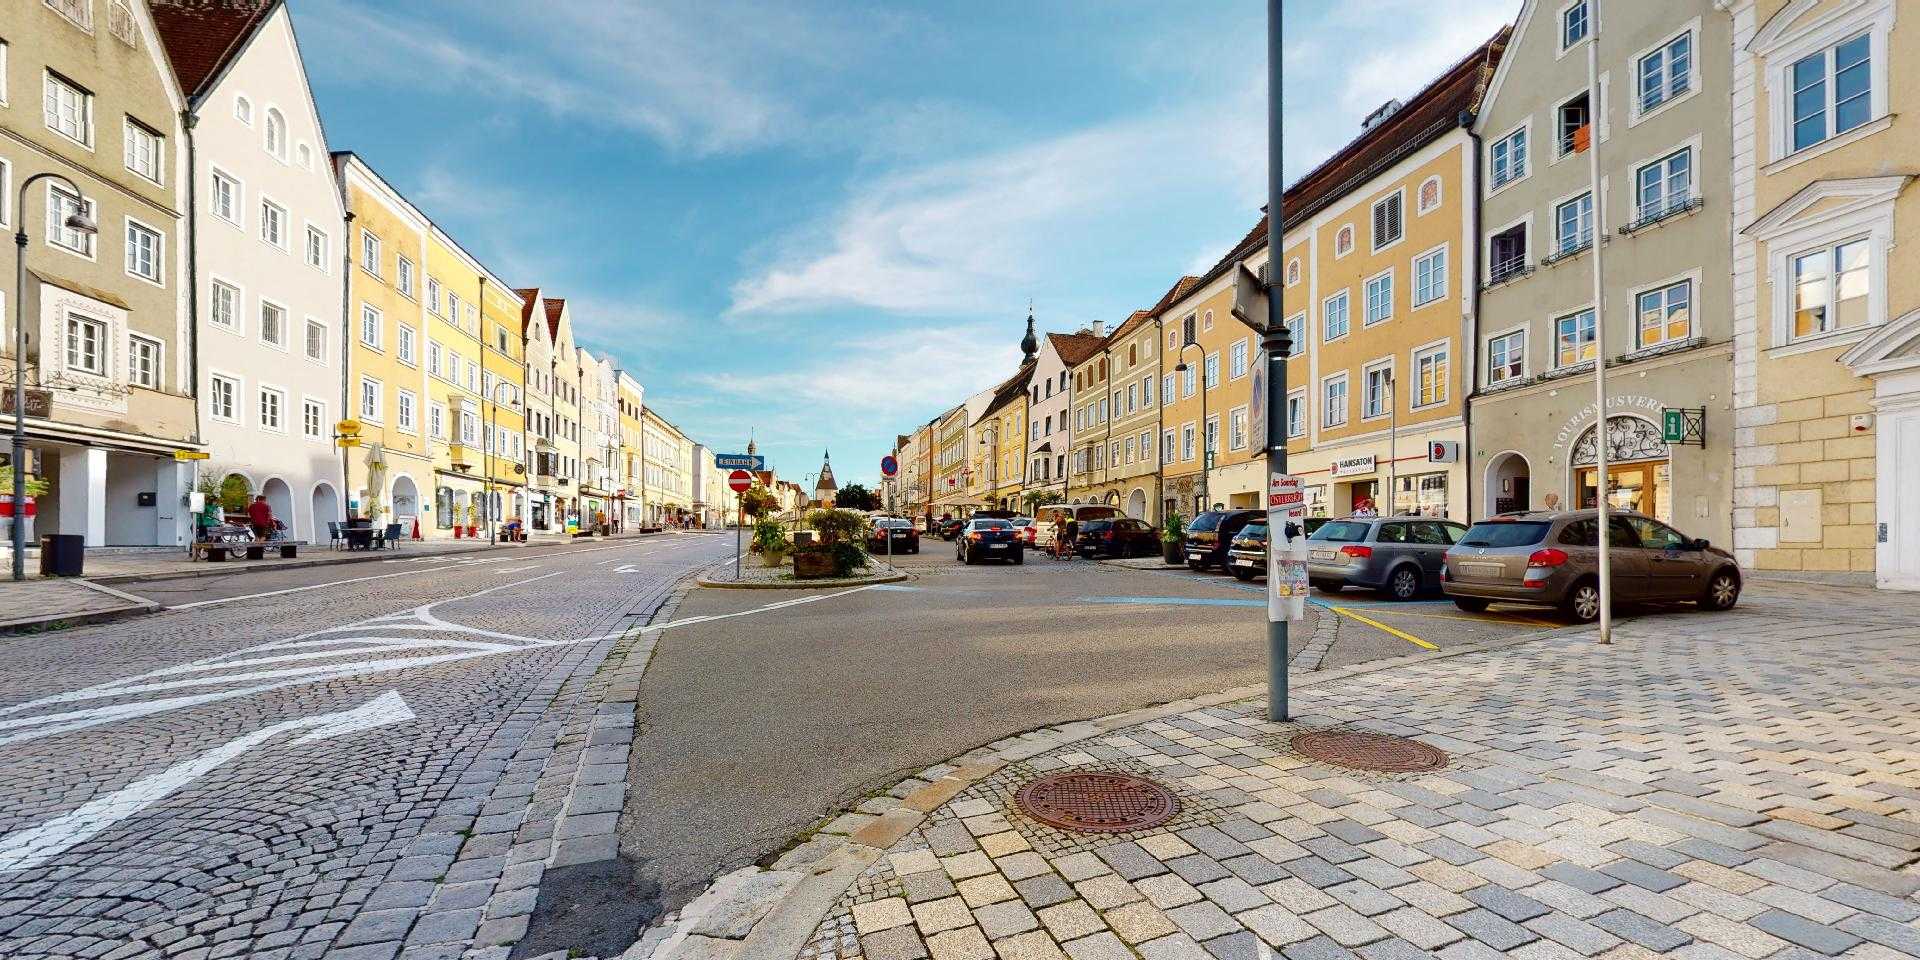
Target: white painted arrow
<point x="30" y="848"/>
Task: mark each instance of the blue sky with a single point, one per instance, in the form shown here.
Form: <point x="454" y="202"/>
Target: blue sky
<point x="822" y="220"/>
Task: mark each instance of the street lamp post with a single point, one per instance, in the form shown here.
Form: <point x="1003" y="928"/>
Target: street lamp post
<point x="77" y="221"/>
<point x="1206" y="448"/>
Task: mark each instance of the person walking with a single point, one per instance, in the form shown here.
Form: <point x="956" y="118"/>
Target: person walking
<point x="260" y="515"/>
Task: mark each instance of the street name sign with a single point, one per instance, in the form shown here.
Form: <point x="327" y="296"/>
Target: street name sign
<point x="739" y="461"/>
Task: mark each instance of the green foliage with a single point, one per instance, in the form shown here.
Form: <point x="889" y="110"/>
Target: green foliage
<point x="1035" y="499"/>
<point x="234" y="493"/>
<point x="847" y="557"/>
<point x="758" y="501"/>
<point x="770" y="537"/>
<point x="855" y="496"/>
<point x="1174" y="528"/>
<point x="36" y="487"/>
<point x="838" y="525"/>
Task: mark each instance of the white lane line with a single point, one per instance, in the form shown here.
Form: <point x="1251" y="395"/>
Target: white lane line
<point x="383" y="576"/>
<point x="25" y="849"/>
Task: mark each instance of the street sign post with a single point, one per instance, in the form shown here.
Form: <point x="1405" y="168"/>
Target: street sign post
<point x="889" y="466"/>
<point x="739" y="481"/>
<point x="740" y="461"/>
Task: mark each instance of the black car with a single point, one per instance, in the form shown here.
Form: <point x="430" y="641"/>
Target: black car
<point x="1118" y="537"/>
<point x="905" y="539"/>
<point x="1247" y="552"/>
<point x="948" y="528"/>
<point x="1210" y="533"/>
<point x="989" y="539"/>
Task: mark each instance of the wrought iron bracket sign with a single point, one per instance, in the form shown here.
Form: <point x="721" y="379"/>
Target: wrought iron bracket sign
<point x="1684" y="426"/>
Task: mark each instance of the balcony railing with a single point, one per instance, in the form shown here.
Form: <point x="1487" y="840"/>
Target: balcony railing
<point x="1511" y="268"/>
<point x="1569" y="247"/>
<point x="1654" y="211"/>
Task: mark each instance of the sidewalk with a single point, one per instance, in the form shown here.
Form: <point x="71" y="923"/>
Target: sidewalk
<point x="1709" y="787"/>
<point x="31" y="604"/>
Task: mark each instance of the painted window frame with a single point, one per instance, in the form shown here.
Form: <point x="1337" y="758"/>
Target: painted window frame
<point x="1439" y="185"/>
<point x="1497" y="336"/>
<point x="133" y="226"/>
<point x="1369" y="288"/>
<point x="1779" y="54"/>
<point x="1443" y="349"/>
<point x="1398" y="199"/>
<point x="1369" y="371"/>
<point x="137" y="343"/>
<point x="1332" y="415"/>
<point x="1434" y="294"/>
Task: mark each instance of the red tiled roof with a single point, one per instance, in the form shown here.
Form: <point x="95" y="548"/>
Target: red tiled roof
<point x="1074" y="348"/>
<point x="528" y="297"/>
<point x="1014" y="386"/>
<point x="1131" y="324"/>
<point x="200" y="36"/>
<point x="555" y="306"/>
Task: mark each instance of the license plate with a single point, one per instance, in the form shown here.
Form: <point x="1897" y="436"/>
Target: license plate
<point x="996" y="546"/>
<point x="1244" y="562"/>
<point x="1481" y="569"/>
<point x="1325" y="554"/>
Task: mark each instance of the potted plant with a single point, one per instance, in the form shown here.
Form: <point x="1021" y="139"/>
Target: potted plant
<point x="1173" y="539"/>
<point x="842" y="546"/>
<point x="473" y="515"/>
<point x="770" y="541"/>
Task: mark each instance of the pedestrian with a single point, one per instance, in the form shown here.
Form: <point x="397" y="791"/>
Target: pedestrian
<point x="260" y="515"/>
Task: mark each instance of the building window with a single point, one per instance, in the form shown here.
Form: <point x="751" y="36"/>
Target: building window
<point x="437" y="421"/>
<point x="1188" y="436"/>
<point x="1237" y="360"/>
<point x="1297" y="415"/>
<point x="316" y="341"/>
<point x="276" y="134"/>
<point x="370" y="399"/>
<point x="1507" y="357"/>
<point x="1573" y="221"/>
<point x="1664" y="186"/>
<point x="1573" y="24"/>
<point x="1388" y="221"/>
<point x="1166" y="389"/>
<point x="223" y="398"/>
<point x="273" y="223"/>
<point x="404" y="410"/>
<point x="1666" y="73"/>
<point x="370" y="252"/>
<point x="69" y="110"/>
<point x="1237" y="429"/>
<point x="403" y="275"/>
<point x="60" y="205"/>
<point x="313" y="419"/>
<point x="143" y="151"/>
<point x="1343" y="241"/>
<point x="1297" y="334"/>
<point x="226" y="198"/>
<point x="243" y="111"/>
<point x="1146" y="392"/>
<point x="1429" y="277"/>
<point x="1573" y="339"/>
<point x="1187" y="381"/>
<point x="1333" y="395"/>
<point x="1430" y="195"/>
<point x="1832" y="92"/>
<point x="6" y="169"/>
<point x="1213" y="370"/>
<point x="1507" y="253"/>
<point x="1830" y="289"/>
<point x="1377" y="398"/>
<point x="1570" y="122"/>
<point x="143" y="252"/>
<point x="317" y="245"/>
<point x="1335" y="309"/>
<point x="86" y="345"/>
<point x="272" y="402"/>
<point x="1666" y="315"/>
<point x="1166" y="447"/>
<point x="1430" y="372"/>
<point x="1380" y="299"/>
<point x="1509" y="158"/>
<point x="403" y="343"/>
<point x="273" y="324"/>
<point x="370" y="326"/>
<point x="226" y="305"/>
<point x="143" y="362"/>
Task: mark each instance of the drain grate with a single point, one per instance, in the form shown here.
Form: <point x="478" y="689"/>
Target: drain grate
<point x="1087" y="802"/>
<point x="1365" y="750"/>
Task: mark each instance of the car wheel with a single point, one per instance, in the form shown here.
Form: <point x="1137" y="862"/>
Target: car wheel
<point x="1244" y="576"/>
<point x="1019" y="558"/>
<point x="1582" y="603"/>
<point x="1471" y="604"/>
<point x="1404" y="583"/>
<point x="1723" y="591"/>
<point x="1196" y="565"/>
<point x="1327" y="586"/>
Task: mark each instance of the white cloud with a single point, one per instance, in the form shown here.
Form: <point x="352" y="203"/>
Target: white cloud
<point x="886" y="379"/>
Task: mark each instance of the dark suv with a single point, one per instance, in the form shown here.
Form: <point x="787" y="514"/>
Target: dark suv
<point x="1210" y="533"/>
<point x="1119" y="537"/>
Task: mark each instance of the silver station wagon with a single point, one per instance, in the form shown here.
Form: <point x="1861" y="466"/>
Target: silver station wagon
<point x="1399" y="556"/>
<point x="1552" y="559"/>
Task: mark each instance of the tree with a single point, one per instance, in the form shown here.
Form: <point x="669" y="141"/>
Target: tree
<point x="853" y="496"/>
<point x="1035" y="499"/>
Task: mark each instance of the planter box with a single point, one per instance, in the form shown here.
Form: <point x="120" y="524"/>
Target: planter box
<point x="807" y="566"/>
<point x="1173" y="553"/>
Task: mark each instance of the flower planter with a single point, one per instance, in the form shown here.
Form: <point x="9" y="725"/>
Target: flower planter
<point x="472" y="531"/>
<point x="812" y="564"/>
<point x="459" y="532"/>
<point x="1174" y="553"/>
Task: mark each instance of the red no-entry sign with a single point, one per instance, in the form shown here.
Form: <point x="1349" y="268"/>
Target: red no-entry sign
<point x="739" y="481"/>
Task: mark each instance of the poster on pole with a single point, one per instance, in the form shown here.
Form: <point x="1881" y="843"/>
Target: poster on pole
<point x="1287" y="584"/>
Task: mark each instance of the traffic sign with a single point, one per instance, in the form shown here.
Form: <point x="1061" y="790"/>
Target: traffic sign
<point x="347" y="428"/>
<point x="889" y="466"/>
<point x="739" y="481"/>
<point x="739" y="461"/>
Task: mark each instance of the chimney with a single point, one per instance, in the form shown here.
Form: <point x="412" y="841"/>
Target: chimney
<point x="1099" y="328"/>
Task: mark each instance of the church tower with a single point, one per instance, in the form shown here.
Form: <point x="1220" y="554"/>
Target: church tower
<point x="824" y="488"/>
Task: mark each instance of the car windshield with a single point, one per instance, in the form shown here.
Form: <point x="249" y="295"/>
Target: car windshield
<point x="1343" y="531"/>
<point x="1023" y="522"/>
<point x="1091" y="526"/>
<point x="1505" y="533"/>
<point x="1254" y="531"/>
<point x="1206" y="522"/>
<point x="992" y="525"/>
<point x="894" y="524"/>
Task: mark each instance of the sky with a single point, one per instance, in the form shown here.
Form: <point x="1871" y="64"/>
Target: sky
<point x="819" y="223"/>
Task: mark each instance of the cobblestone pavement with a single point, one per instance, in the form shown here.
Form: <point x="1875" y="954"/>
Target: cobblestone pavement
<point x="1709" y="787"/>
<point x="371" y="769"/>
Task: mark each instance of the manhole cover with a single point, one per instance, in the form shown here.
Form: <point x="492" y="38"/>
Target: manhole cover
<point x="1362" y="750"/>
<point x="1096" y="802"/>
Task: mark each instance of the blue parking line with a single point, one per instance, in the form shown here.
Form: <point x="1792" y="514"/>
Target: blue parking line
<point x="1176" y="601"/>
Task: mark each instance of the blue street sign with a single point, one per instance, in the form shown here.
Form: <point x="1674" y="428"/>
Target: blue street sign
<point x="739" y="461"/>
<point x="889" y="466"/>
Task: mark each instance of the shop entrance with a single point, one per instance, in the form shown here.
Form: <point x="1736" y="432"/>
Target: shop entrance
<point x="1363" y="496"/>
<point x="1639" y="473"/>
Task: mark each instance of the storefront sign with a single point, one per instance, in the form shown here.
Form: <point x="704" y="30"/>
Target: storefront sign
<point x="39" y="402"/>
<point x="1578" y="423"/>
<point x="1353" y="466"/>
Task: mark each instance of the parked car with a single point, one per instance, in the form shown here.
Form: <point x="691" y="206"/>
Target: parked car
<point x="1399" y="556"/>
<point x="988" y="539"/>
<point x="1210" y="533"/>
<point x="1247" y="553"/>
<point x="1024" y="530"/>
<point x="1552" y="559"/>
<point x="1050" y="520"/>
<point x="950" y="527"/>
<point x="1116" y="537"/>
<point x="899" y="530"/>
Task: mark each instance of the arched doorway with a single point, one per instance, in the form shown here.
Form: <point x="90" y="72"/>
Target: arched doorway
<point x="326" y="507"/>
<point x="1639" y="468"/>
<point x="1509" y="484"/>
<point x="235" y="492"/>
<point x="406" y="503"/>
<point x="1137" y="504"/>
<point x="280" y="498"/>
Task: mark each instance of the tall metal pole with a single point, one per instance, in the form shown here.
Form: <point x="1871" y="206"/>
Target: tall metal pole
<point x="19" y="461"/>
<point x="1278" y="343"/>
<point x="1605" y="532"/>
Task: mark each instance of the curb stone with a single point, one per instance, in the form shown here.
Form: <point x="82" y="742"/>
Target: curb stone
<point x="131" y="606"/>
<point x="894" y="577"/>
<point x="834" y="860"/>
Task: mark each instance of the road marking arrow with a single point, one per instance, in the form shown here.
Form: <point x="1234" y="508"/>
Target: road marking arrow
<point x="26" y="849"/>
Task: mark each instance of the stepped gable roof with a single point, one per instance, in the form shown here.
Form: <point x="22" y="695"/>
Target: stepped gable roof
<point x="202" y="36"/>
